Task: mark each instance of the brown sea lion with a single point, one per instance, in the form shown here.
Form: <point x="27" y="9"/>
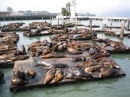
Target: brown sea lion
<point x="60" y="65"/>
<point x="18" y="77"/>
<point x="49" y="76"/>
<point x="29" y="73"/>
<point x="109" y="73"/>
<point x="47" y="51"/>
<point x="80" y="73"/>
<point x="98" y="55"/>
<point x="50" y="55"/>
<point x="80" y="58"/>
<point x="103" y="45"/>
<point x="108" y="62"/>
<point x="74" y="52"/>
<point x="23" y="49"/>
<point x="92" y="68"/>
<point x="58" y="76"/>
<point x="18" y="57"/>
<point x="79" y="66"/>
<point x="90" y="62"/>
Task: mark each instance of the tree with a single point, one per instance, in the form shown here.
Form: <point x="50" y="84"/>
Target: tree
<point x="64" y="12"/>
<point x="68" y="7"/>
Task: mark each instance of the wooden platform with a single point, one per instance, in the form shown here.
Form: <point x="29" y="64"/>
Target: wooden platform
<point x="116" y="32"/>
<point x="41" y="34"/>
<point x="93" y="26"/>
<point x="37" y="81"/>
<point x="7" y="64"/>
<point x="110" y="49"/>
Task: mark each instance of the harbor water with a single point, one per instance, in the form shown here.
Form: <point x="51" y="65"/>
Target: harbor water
<point x="116" y="87"/>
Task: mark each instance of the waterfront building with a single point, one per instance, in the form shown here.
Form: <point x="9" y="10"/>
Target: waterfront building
<point x="41" y="13"/>
<point x="85" y="14"/>
<point x="4" y="14"/>
<point x="9" y="9"/>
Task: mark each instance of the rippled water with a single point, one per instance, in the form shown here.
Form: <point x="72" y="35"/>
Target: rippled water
<point x="116" y="87"/>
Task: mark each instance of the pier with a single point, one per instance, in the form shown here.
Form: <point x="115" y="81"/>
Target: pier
<point x="109" y="18"/>
<point x="33" y="17"/>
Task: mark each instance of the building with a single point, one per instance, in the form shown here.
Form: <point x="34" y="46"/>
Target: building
<point x="9" y="9"/>
<point x="85" y="14"/>
<point x="41" y="13"/>
<point x="4" y="14"/>
<point x="21" y="13"/>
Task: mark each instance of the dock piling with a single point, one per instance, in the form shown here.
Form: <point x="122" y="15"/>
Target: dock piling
<point x="122" y="30"/>
<point x="50" y="20"/>
<point x="128" y="21"/>
<point x="58" y="21"/>
<point x="90" y="23"/>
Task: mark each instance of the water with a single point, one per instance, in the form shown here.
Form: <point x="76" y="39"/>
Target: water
<point x="117" y="87"/>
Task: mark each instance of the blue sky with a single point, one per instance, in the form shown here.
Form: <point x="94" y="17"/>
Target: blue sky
<point x="92" y="6"/>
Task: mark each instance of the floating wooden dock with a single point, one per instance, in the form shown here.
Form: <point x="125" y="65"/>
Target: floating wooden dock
<point x="37" y="81"/>
<point x="43" y="33"/>
<point x="116" y="32"/>
<point x="112" y="49"/>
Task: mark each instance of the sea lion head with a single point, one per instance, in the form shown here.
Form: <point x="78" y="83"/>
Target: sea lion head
<point x="30" y="73"/>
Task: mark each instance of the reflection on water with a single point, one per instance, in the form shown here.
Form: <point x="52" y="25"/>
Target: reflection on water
<point x="117" y="87"/>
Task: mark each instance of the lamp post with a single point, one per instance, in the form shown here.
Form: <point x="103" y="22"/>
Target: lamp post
<point x="58" y="20"/>
<point x="111" y="20"/>
<point x="50" y="20"/>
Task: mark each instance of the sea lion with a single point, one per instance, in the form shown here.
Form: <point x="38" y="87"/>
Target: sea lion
<point x="92" y="68"/>
<point x="74" y="52"/>
<point x="103" y="45"/>
<point x="97" y="55"/>
<point x="29" y="73"/>
<point x="18" y="57"/>
<point x="47" y="51"/>
<point x="90" y="62"/>
<point x="50" y="55"/>
<point x="80" y="58"/>
<point x="51" y="65"/>
<point x="23" y="49"/>
<point x="44" y="43"/>
<point x="108" y="62"/>
<point x="109" y="73"/>
<point x="49" y="76"/>
<point x="18" y="77"/>
<point x="59" y="75"/>
<point x="91" y="51"/>
<point x="69" y="75"/>
<point x="61" y="48"/>
<point x="80" y="73"/>
<point x="33" y="54"/>
<point x="60" y="65"/>
<point x="79" y="66"/>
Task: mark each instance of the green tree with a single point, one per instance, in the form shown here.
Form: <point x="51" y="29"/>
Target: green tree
<point x="68" y="7"/>
<point x="64" y="12"/>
